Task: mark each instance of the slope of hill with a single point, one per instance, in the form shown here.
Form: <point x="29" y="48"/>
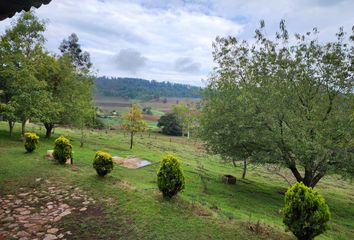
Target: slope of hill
<point x="134" y="88"/>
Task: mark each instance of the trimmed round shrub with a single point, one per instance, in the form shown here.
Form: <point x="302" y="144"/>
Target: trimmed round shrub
<point x="31" y="141"/>
<point x="306" y="213"/>
<point x="63" y="150"/>
<point x="103" y="163"/>
<point x="170" y="178"/>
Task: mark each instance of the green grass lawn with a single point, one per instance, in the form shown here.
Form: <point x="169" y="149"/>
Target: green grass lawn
<point x="130" y="207"/>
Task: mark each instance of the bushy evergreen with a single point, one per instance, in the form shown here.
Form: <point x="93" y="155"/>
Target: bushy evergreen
<point x="306" y="213"/>
<point x="62" y="150"/>
<point x="170" y="178"/>
<point x="31" y="141"/>
<point x="103" y="163"/>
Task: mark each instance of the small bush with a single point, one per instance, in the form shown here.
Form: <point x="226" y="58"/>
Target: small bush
<point x="31" y="141"/>
<point x="306" y="214"/>
<point x="62" y="150"/>
<point x="103" y="163"/>
<point x="170" y="178"/>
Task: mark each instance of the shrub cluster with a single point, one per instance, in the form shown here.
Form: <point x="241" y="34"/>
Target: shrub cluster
<point x="306" y="214"/>
<point x="62" y="150"/>
<point x="170" y="178"/>
<point x="103" y="163"/>
<point x="31" y="141"/>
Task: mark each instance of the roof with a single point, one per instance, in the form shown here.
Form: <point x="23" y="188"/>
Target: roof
<point x="8" y="8"/>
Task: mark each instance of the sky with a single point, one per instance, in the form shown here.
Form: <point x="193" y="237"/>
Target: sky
<point x="171" y="40"/>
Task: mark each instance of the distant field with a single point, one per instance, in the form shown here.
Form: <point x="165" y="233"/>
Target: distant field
<point x="120" y="105"/>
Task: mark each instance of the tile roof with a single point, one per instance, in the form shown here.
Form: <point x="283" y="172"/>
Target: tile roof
<point x="8" y="8"/>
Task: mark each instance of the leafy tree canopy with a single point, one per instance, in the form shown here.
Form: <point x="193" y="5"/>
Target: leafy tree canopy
<point x="283" y="101"/>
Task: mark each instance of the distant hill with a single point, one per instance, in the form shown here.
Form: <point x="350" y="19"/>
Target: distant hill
<point x="135" y="88"/>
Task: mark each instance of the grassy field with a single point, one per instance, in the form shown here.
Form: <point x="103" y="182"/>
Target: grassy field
<point x="130" y="207"/>
<point x="158" y="108"/>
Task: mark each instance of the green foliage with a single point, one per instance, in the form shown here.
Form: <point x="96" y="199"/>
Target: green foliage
<point x="305" y="213"/>
<point x="133" y="122"/>
<point x="39" y="86"/>
<point x="169" y="125"/>
<point x="170" y="178"/>
<point x="79" y="58"/>
<point x="21" y="48"/>
<point x="103" y="163"/>
<point x="31" y="141"/>
<point x="62" y="150"/>
<point x="283" y="101"/>
<point x="133" y="88"/>
<point x="186" y="117"/>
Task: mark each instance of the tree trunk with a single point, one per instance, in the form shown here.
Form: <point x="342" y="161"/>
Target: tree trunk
<point x="11" y="127"/>
<point x="131" y="140"/>
<point x="49" y="128"/>
<point x="244" y="168"/>
<point x="234" y="162"/>
<point x="310" y="179"/>
<point x="82" y="138"/>
<point x="23" y="126"/>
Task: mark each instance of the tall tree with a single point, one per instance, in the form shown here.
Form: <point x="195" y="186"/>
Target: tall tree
<point x="81" y="105"/>
<point x="283" y="101"/>
<point x="79" y="58"/>
<point x="20" y="48"/>
<point x="183" y="117"/>
<point x="133" y="122"/>
<point x="55" y="73"/>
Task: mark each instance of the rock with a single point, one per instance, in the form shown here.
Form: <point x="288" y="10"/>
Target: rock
<point x="49" y="153"/>
<point x="26" y="212"/>
<point x="66" y="212"/>
<point x="7" y="219"/>
<point x="57" y="219"/>
<point x="20" y="209"/>
<point x="23" y="234"/>
<point x="86" y="203"/>
<point x="38" y="179"/>
<point x="52" y="230"/>
<point x="83" y="209"/>
<point x="50" y="237"/>
<point x="13" y="225"/>
<point x="23" y="194"/>
<point x="29" y="225"/>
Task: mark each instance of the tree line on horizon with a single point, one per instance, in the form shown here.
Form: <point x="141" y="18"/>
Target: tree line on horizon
<point x="136" y="88"/>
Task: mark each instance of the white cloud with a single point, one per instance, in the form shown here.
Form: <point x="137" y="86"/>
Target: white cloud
<point x="165" y="31"/>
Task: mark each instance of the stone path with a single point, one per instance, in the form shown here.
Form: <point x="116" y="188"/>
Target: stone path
<point x="35" y="213"/>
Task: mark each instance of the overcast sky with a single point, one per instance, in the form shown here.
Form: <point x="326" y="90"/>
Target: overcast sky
<point x="171" y="40"/>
